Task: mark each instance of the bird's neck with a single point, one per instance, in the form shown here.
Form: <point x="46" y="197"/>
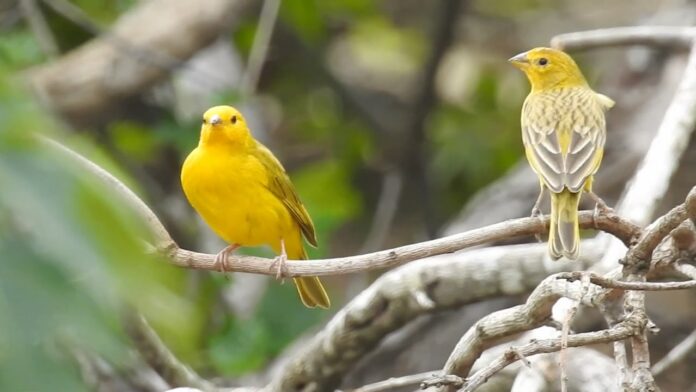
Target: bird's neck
<point x="556" y="81"/>
<point x="213" y="139"/>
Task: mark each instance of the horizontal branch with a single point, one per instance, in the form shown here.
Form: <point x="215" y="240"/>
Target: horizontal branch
<point x="605" y="221"/>
<point x="623" y="285"/>
<point x="670" y="36"/>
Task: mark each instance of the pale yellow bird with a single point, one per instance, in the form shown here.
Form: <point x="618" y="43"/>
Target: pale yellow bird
<point x="563" y="130"/>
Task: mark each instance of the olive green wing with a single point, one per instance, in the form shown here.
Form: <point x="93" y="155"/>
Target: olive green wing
<point x="280" y="185"/>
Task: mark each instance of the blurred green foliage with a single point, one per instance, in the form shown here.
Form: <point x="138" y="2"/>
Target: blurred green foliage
<point x="72" y="261"/>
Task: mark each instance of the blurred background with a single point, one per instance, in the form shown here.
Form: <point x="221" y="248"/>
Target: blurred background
<point x="398" y="121"/>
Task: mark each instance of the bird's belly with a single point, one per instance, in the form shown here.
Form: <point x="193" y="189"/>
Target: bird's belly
<point x="235" y="203"/>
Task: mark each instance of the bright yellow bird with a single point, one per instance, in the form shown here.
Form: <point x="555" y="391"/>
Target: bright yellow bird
<point x="563" y="130"/>
<point x="243" y="193"/>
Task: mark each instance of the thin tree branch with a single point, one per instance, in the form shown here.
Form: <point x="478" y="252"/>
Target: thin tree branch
<point x="395" y="382"/>
<point x="160" y="358"/>
<point x="616" y="333"/>
<point x="401" y="255"/>
<point x="676" y="355"/>
<point x="532" y="314"/>
<point x="387" y="206"/>
<point x="35" y="18"/>
<point x="259" y="50"/>
<point x="161" y="236"/>
<point x="670" y="36"/>
<point x="618" y="284"/>
<point x="641" y="254"/>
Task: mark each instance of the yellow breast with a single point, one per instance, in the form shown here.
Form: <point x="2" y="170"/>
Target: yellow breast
<point x="228" y="189"/>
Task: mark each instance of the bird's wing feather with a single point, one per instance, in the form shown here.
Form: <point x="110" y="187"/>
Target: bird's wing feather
<point x="280" y="185"/>
<point x="564" y="136"/>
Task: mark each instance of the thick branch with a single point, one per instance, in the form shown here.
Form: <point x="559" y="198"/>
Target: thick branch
<point x="143" y="46"/>
<point x="651" y="181"/>
<point x="403" y="294"/>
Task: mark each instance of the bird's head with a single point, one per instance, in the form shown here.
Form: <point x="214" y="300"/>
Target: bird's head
<point x="224" y="125"/>
<point x="548" y="68"/>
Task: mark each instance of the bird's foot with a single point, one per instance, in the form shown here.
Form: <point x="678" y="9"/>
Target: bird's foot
<point x="222" y="258"/>
<point x="280" y="267"/>
<point x="536" y="213"/>
<point x="279" y="263"/>
<point x="600" y="205"/>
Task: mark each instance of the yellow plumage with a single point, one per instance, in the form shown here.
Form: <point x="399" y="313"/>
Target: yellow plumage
<point x="243" y="193"/>
<point x="563" y="130"/>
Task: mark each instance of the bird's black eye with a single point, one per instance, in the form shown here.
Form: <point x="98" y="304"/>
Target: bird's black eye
<point x="234" y="119"/>
<point x="204" y="120"/>
<point x="543" y="61"/>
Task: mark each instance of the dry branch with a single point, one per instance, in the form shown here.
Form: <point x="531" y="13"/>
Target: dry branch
<point x="618" y="332"/>
<point x="141" y="49"/>
<point x="669" y="36"/>
<point x="618" y="284"/>
<point x="532" y="314"/>
<point x="448" y="281"/>
<point x="160" y="358"/>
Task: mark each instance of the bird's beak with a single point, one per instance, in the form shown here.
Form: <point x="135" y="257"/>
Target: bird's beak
<point x="520" y="60"/>
<point x="215" y="119"/>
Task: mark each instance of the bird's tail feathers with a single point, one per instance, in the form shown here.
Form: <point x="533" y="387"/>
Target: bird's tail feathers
<point x="310" y="289"/>
<point x="564" y="232"/>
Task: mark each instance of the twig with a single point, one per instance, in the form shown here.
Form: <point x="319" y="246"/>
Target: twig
<point x="392" y="182"/>
<point x="396" y="256"/>
<point x="35" y="18"/>
<point x="565" y="331"/>
<point x="259" y="49"/>
<point x="613" y="314"/>
<point x="676" y="355"/>
<point x="532" y="314"/>
<point x="641" y="254"/>
<point x="395" y="382"/>
<point x="623" y="285"/>
<point x="162" y="238"/>
<point x="619" y="332"/>
<point x="671" y="36"/>
<point x="158" y="356"/>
